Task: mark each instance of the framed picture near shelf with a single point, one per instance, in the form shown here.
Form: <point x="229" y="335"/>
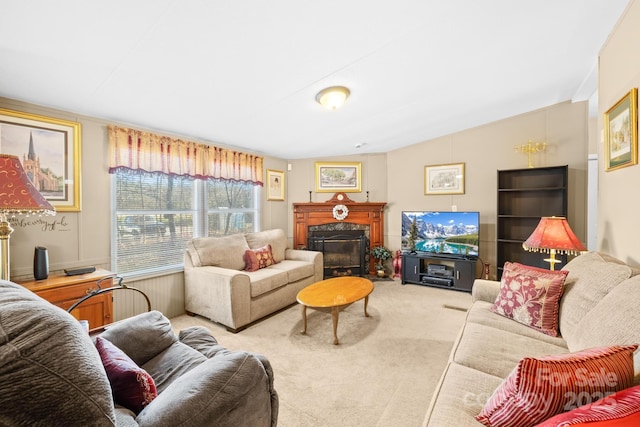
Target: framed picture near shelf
<point x="275" y="185"/>
<point x="621" y="132"/>
<point x="338" y="176"/>
<point x="49" y="149"/>
<point x="444" y="179"/>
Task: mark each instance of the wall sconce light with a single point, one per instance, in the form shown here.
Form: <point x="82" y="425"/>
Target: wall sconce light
<point x="553" y="235"/>
<point x="333" y="97"/>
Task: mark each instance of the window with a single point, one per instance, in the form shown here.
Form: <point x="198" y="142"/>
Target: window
<point x="155" y="215"/>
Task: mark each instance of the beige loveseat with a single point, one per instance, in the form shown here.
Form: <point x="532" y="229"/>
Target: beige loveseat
<point x="218" y="287"/>
<point x="600" y="307"/>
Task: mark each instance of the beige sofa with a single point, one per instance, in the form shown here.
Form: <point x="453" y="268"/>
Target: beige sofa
<point x="217" y="286"/>
<point x="599" y="307"/>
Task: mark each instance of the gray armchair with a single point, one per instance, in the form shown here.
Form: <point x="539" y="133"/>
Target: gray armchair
<point x="51" y="372"/>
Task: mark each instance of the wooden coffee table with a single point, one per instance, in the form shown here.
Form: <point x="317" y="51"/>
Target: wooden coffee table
<point x="333" y="295"/>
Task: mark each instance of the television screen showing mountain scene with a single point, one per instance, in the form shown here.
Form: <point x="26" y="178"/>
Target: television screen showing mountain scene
<point x="447" y="233"/>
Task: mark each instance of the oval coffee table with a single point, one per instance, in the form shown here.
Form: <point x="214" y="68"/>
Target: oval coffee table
<point x="334" y="295"/>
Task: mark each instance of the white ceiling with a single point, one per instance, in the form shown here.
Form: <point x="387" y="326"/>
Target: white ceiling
<point x="245" y="73"/>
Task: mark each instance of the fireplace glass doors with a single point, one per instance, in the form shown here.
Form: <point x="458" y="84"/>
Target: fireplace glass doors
<point x="344" y="251"/>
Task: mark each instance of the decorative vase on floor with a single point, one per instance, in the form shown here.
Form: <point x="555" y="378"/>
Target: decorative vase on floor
<point x="397" y="264"/>
<point x="380" y="273"/>
<point x="487" y="270"/>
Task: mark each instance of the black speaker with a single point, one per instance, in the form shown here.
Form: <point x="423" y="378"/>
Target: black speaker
<point x="40" y="263"/>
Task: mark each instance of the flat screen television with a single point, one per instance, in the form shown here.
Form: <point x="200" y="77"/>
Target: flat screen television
<point x="451" y="234"/>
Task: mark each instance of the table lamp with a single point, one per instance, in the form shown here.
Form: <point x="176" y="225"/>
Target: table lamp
<point x="553" y="235"/>
<point x="18" y="196"/>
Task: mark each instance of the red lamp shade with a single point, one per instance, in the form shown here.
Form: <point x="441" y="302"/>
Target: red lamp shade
<point x="553" y="235"/>
<point x="17" y="194"/>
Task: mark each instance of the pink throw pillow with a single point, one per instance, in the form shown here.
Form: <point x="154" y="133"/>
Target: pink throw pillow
<point x="618" y="409"/>
<point x="530" y="295"/>
<point x="256" y="259"/>
<point x="131" y="385"/>
<point x="541" y="388"/>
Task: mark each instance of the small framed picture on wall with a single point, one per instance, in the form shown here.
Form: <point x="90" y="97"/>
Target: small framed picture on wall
<point x="621" y="132"/>
<point x="444" y="179"/>
<point x="275" y="185"/>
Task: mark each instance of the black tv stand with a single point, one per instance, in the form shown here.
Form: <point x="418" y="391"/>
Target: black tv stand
<point x="440" y="271"/>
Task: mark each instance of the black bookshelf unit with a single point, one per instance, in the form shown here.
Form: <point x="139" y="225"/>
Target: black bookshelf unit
<point x="438" y="271"/>
<point x="525" y="195"/>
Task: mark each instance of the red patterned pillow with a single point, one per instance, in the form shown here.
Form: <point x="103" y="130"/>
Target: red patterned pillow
<point x="256" y="259"/>
<point x="619" y="409"/>
<point x="530" y="295"/>
<point x="131" y="385"/>
<point x="540" y="388"/>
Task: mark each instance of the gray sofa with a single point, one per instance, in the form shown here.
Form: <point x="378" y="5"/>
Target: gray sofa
<point x="599" y="307"/>
<point x="218" y="287"/>
<point x="52" y="374"/>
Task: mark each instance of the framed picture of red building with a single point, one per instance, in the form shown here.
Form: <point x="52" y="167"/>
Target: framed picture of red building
<point x="49" y="150"/>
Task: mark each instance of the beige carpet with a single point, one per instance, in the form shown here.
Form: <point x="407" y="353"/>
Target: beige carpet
<point x="384" y="371"/>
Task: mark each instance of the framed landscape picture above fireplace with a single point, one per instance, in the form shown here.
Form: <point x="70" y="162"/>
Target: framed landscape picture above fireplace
<point x="338" y="176"/>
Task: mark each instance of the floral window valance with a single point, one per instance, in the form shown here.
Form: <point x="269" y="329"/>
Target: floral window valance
<point x="135" y="150"/>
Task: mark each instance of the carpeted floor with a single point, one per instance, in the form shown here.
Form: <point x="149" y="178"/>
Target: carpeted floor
<point x="384" y="371"/>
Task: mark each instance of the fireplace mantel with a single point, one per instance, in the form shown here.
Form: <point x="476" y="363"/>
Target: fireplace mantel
<point x="319" y="213"/>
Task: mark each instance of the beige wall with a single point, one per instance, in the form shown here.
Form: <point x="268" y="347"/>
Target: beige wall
<point x="83" y="238"/>
<point x="617" y="205"/>
<point x="79" y="239"/>
<point x="397" y="177"/>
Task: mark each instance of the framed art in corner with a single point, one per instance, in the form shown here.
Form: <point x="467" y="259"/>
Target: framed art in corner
<point x="444" y="179"/>
<point x="275" y="185"/>
<point x="338" y="176"/>
<point x="621" y="132"/>
<point x="49" y="150"/>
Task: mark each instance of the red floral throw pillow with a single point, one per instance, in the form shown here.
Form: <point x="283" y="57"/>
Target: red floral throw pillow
<point x="256" y="259"/>
<point x="530" y="295"/>
<point x="618" y="409"/>
<point x="541" y="388"/>
<point x="131" y="385"/>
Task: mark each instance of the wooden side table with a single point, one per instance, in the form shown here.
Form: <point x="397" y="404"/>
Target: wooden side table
<point x="64" y="291"/>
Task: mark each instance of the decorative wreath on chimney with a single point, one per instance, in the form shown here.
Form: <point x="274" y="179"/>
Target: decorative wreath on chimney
<point x="340" y="212"/>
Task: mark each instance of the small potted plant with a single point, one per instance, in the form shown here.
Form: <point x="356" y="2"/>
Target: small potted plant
<point x="381" y="254"/>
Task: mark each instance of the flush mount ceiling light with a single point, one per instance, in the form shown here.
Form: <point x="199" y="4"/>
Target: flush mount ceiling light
<point x="333" y="97"/>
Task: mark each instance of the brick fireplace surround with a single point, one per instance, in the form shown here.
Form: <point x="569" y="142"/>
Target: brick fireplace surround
<point x="369" y="214"/>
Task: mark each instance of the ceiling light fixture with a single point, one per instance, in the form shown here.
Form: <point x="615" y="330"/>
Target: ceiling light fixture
<point x="333" y="97"/>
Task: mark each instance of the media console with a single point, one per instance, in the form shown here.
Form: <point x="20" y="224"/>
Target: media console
<point x="439" y="271"/>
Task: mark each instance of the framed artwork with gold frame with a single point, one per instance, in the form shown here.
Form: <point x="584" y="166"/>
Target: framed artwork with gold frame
<point x="444" y="179"/>
<point x="49" y="150"/>
<point x="621" y="132"/>
<point x="275" y="185"/>
<point x="334" y="177"/>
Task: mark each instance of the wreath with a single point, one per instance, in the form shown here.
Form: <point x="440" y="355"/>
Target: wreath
<point x="340" y="212"/>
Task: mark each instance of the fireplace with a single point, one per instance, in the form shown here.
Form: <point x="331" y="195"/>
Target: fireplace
<point x="344" y="252"/>
<point x="365" y="216"/>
